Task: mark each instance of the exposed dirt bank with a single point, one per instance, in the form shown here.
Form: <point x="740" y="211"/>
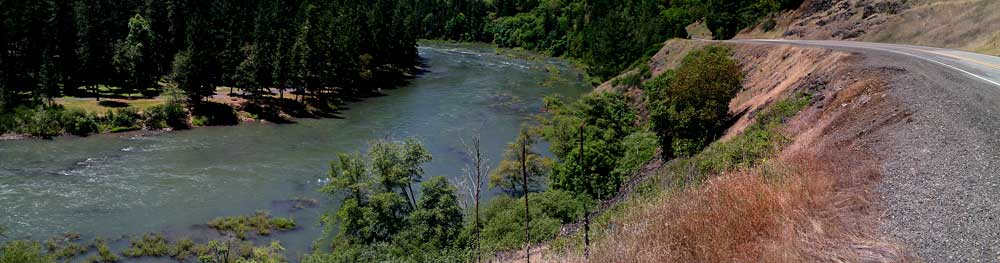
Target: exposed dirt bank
<point x="970" y="25"/>
<point x="826" y="206"/>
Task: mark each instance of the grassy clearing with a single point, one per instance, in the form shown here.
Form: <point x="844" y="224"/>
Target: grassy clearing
<point x="100" y="107"/>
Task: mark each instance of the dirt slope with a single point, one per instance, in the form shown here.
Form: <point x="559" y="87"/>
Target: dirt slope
<point x="971" y="25"/>
<point x="831" y="214"/>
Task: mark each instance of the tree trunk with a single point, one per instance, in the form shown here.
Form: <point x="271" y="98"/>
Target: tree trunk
<point x="586" y="210"/>
<point x="527" y="212"/>
<point x="479" y="183"/>
<point x="410" y="195"/>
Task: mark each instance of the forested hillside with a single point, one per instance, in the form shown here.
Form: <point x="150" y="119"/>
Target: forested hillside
<point x="320" y="50"/>
<point x="606" y="35"/>
<point x="328" y="50"/>
<point x="55" y="48"/>
<point x="52" y="47"/>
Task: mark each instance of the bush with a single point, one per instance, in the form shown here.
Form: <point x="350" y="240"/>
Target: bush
<point x="503" y="224"/>
<point x="692" y="109"/>
<point x="170" y="115"/>
<point x="9" y="121"/>
<point x="64" y="247"/>
<point x="631" y="79"/>
<point x="608" y="119"/>
<point x="750" y="148"/>
<point x="151" y="245"/>
<point x="43" y="122"/>
<point x="283" y="223"/>
<point x="261" y="222"/>
<point x="639" y="148"/>
<point x="20" y="251"/>
<point x="211" y="113"/>
<point x="769" y="24"/>
<point x="104" y="253"/>
<point x="80" y="123"/>
<point x="124" y="119"/>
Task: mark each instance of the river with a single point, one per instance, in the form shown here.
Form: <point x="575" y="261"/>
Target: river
<point x="116" y="185"/>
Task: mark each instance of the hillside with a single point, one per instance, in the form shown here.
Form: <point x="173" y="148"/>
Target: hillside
<point x="847" y="191"/>
<point x="822" y="209"/>
<point x="970" y="25"/>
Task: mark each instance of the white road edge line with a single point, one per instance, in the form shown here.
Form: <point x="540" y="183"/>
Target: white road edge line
<point x="866" y="45"/>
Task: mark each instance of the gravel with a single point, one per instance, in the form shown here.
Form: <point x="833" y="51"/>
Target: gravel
<point x="941" y="168"/>
<point x="941" y="183"/>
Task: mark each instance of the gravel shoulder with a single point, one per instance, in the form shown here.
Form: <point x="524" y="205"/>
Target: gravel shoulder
<point x="940" y="167"/>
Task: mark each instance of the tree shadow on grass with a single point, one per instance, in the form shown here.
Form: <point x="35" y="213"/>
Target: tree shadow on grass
<point x="112" y="104"/>
<point x="214" y="113"/>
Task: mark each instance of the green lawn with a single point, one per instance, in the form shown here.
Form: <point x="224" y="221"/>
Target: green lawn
<point x="93" y="106"/>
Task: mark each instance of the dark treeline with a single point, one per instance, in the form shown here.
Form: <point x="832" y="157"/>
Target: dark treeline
<point x="606" y="35"/>
<point x="53" y="48"/>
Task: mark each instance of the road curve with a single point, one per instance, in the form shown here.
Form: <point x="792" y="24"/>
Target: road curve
<point x="941" y="171"/>
<point x="975" y="65"/>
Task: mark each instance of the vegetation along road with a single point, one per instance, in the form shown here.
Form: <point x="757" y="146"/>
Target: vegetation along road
<point x="939" y="164"/>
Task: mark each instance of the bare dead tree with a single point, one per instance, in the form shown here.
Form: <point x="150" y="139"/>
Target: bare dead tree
<point x="527" y="212"/>
<point x="474" y="178"/>
<point x="586" y="210"/>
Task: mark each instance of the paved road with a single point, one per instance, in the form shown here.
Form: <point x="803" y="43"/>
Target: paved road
<point x="978" y="66"/>
<point x="941" y="184"/>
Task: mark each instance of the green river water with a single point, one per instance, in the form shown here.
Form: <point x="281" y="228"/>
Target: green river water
<point x="117" y="185"/>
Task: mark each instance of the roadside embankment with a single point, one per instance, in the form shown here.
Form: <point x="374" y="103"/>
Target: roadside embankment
<point x="969" y="25"/>
<point x="794" y="179"/>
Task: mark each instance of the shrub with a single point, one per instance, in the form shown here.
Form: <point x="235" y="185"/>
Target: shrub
<point x="631" y="79"/>
<point x="261" y="221"/>
<point x="211" y="113"/>
<point x="182" y="250"/>
<point x="503" y="225"/>
<point x="43" y="122"/>
<point x="104" y="253"/>
<point x="750" y="148"/>
<point x="608" y="119"/>
<point x="215" y="251"/>
<point x="9" y="121"/>
<point x="152" y="245"/>
<point x="20" y="251"/>
<point x="80" y="123"/>
<point x="692" y="108"/>
<point x="64" y="247"/>
<point x="124" y="119"/>
<point x="170" y="115"/>
<point x="283" y="223"/>
<point x="769" y="24"/>
<point x="638" y="148"/>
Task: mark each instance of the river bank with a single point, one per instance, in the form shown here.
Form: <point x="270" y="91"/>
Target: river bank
<point x="112" y="185"/>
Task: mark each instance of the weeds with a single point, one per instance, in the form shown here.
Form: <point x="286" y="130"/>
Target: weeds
<point x="751" y="148"/>
<point x="261" y="222"/>
<point x="65" y="247"/>
<point x="104" y="253"/>
<point x="153" y="245"/>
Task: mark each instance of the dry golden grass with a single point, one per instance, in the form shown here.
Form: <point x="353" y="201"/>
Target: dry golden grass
<point x="803" y="209"/>
<point x="971" y="25"/>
